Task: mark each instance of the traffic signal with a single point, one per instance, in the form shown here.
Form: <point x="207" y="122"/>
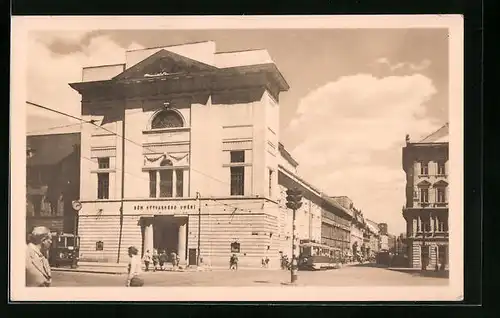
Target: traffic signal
<point x="293" y="199"/>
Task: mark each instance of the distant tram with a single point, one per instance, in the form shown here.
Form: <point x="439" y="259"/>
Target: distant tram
<point x="315" y="256"/>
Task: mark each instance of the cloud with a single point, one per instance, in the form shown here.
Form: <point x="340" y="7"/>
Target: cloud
<point x="421" y="66"/>
<point x="349" y="132"/>
<point x="404" y="65"/>
<point x="49" y="74"/>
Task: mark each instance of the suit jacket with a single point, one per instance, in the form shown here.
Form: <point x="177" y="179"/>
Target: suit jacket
<point x="37" y="268"/>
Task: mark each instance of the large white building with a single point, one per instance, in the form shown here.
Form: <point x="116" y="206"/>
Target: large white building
<point x="198" y="166"/>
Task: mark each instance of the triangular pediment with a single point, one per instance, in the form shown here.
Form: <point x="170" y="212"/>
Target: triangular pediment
<point x="441" y="183"/>
<point x="424" y="183"/>
<point x="164" y="63"/>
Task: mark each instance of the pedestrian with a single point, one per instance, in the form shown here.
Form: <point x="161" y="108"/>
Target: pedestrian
<point x="147" y="259"/>
<point x="266" y="262"/>
<point x="173" y="259"/>
<point x="134" y="269"/>
<point x="38" y="272"/>
<point x="155" y="259"/>
<point x="233" y="262"/>
<point x="177" y="260"/>
<point x="162" y="259"/>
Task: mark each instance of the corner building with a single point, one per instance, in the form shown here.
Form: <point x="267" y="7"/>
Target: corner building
<point x="426" y="165"/>
<point x="201" y="132"/>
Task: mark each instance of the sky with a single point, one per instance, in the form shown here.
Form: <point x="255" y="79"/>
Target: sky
<point x="354" y="95"/>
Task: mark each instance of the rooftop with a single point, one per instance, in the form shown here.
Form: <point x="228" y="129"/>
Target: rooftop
<point x="50" y="149"/>
<point x="439" y="136"/>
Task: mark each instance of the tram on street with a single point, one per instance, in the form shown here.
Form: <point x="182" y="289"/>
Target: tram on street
<point x="315" y="256"/>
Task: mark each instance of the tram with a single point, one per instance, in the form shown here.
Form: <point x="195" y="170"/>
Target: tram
<point x="315" y="256"/>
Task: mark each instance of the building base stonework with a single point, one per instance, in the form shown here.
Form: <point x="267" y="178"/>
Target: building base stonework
<point x="251" y="235"/>
<point x="438" y="254"/>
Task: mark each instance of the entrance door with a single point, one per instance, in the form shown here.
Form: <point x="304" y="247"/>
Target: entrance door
<point x="165" y="234"/>
<point x="192" y="256"/>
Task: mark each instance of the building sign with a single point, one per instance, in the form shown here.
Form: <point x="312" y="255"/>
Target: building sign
<point x="235" y="247"/>
<point x="165" y="207"/>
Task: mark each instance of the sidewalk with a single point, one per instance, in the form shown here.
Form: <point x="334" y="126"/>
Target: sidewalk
<point x="420" y="272"/>
<point x="117" y="269"/>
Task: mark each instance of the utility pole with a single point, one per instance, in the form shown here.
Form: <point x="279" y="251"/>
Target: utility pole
<point x="122" y="193"/>
<point x="294" y="197"/>
<point x="198" y="197"/>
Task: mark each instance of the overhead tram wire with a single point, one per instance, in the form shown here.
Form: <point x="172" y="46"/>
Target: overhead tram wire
<point x="116" y="134"/>
<point x="51" y="128"/>
<point x="131" y="141"/>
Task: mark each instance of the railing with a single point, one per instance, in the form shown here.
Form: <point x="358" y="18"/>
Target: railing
<point x="430" y="204"/>
<point x="429" y="234"/>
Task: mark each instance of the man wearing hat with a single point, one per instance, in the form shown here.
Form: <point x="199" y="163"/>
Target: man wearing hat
<point x="37" y="266"/>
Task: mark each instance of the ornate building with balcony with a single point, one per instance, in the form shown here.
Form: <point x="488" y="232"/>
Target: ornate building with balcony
<point x="426" y="211"/>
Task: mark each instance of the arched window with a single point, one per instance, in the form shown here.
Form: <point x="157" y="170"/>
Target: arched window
<point x="166" y="119"/>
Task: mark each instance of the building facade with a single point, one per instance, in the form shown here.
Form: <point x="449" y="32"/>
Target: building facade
<point x="426" y="211"/>
<point x="374" y="237"/>
<point x="358" y="236"/>
<point x="183" y="142"/>
<point x="336" y="226"/>
<point x="52" y="181"/>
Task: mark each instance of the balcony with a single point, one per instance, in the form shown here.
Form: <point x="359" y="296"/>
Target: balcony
<point x="166" y="135"/>
<point x="429" y="235"/>
<point x="418" y="204"/>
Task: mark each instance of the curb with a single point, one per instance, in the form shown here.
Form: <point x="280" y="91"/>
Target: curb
<point x="88" y="271"/>
<point x="97" y="271"/>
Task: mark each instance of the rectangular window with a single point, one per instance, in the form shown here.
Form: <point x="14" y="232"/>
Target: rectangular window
<point x="237" y="180"/>
<point x="166" y="186"/>
<point x="424" y="195"/>
<point x="424" y="168"/>
<point x="440" y="225"/>
<point x="441" y="195"/>
<point x="103" y="185"/>
<point x="441" y="168"/>
<point x="238" y="156"/>
<point x="415" y="194"/>
<point x="179" y="183"/>
<point x="152" y="184"/>
<point x="270" y="182"/>
<point x="103" y="163"/>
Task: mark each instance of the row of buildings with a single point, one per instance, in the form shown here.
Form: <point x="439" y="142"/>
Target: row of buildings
<point x="179" y="150"/>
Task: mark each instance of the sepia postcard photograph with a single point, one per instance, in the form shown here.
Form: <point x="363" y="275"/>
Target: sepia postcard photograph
<point x="237" y="158"/>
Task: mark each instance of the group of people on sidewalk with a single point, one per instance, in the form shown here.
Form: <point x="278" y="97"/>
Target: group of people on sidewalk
<point x="159" y="260"/>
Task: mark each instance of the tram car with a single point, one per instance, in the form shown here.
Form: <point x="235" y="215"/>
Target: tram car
<point x="315" y="256"/>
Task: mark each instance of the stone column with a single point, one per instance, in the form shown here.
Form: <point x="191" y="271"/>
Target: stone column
<point x="181" y="250"/>
<point x="148" y="235"/>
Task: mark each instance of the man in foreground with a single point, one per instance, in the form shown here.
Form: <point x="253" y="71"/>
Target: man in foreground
<point x="37" y="265"/>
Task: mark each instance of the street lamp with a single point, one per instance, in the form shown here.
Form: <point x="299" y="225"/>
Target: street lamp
<point x="294" y="197"/>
